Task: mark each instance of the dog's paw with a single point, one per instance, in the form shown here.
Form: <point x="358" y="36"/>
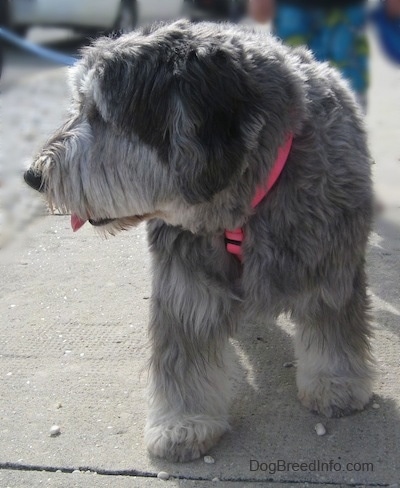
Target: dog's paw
<point x="184" y="439"/>
<point x="335" y="397"/>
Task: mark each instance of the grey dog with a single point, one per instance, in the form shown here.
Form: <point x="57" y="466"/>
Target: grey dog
<point x="177" y="124"/>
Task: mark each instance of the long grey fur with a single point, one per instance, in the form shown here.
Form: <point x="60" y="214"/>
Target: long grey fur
<point x="177" y="124"/>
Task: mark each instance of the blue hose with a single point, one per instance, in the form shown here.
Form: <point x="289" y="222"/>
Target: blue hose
<point x="40" y="51"/>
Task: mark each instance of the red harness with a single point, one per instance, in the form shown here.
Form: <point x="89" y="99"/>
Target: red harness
<point x="234" y="238"/>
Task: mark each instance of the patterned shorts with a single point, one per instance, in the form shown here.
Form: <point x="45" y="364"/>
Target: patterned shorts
<point x="336" y="35"/>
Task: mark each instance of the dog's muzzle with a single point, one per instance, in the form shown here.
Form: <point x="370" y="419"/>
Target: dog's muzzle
<point x="34" y="179"/>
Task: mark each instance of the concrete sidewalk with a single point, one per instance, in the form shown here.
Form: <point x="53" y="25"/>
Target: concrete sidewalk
<point x="73" y="351"/>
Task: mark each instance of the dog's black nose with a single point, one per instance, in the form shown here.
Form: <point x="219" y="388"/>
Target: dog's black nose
<point x="34" y="179"/>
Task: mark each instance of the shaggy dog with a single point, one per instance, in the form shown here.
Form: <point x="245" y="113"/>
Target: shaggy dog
<point x="178" y="125"/>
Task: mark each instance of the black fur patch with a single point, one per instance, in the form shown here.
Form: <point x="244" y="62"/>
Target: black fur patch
<point x="147" y="86"/>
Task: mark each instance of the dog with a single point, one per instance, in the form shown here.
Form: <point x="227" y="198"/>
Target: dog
<point x="180" y="125"/>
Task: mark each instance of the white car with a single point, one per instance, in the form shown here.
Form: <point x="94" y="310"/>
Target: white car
<point x="88" y="15"/>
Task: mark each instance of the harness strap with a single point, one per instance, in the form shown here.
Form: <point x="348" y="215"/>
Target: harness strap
<point x="234" y="238"/>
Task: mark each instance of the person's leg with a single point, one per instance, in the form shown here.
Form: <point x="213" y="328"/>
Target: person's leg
<point x="292" y="25"/>
<point x="321" y="34"/>
<point x="349" y="48"/>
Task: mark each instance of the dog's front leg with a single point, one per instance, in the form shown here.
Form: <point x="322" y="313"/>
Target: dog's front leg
<point x="192" y="318"/>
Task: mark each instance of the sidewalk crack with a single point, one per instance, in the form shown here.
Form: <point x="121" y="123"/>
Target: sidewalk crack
<point x="145" y="474"/>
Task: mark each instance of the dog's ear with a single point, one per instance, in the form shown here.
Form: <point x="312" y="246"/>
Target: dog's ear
<point x="131" y="91"/>
<point x="210" y="117"/>
<point x="193" y="107"/>
<point x="196" y="106"/>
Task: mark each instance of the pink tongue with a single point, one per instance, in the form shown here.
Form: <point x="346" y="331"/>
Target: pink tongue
<point x="76" y="222"/>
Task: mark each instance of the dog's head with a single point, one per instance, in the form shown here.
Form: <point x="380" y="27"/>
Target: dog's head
<point x="173" y="121"/>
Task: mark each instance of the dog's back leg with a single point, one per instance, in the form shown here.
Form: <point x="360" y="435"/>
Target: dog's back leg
<point x="334" y="373"/>
<point x="192" y="318"/>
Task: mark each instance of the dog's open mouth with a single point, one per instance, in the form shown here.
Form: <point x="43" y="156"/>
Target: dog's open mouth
<point x="99" y="223"/>
<point x="77" y="222"/>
